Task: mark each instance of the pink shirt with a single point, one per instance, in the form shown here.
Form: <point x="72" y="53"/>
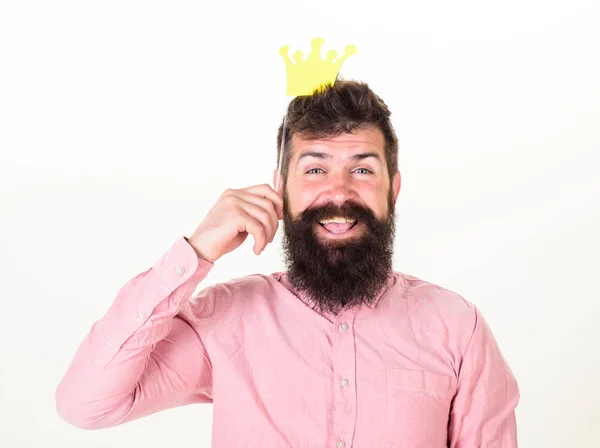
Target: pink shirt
<point x="419" y="368"/>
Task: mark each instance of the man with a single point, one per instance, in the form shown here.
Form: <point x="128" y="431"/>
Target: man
<point x="339" y="350"/>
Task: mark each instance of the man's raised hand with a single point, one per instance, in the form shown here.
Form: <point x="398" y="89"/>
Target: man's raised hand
<point x="254" y="210"/>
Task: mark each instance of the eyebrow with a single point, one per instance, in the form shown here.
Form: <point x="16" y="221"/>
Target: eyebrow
<point x="323" y="155"/>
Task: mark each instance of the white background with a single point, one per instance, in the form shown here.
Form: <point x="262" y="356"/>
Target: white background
<point x="121" y="122"/>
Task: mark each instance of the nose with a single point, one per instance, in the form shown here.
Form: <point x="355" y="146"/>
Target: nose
<point x="339" y="189"/>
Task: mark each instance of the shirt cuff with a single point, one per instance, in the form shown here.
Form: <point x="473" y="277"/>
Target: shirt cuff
<point x="180" y="264"/>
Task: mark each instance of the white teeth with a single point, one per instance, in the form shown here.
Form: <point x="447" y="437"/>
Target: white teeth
<point x="338" y="220"/>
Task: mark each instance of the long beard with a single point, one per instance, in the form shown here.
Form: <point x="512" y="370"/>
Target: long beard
<point x="336" y="273"/>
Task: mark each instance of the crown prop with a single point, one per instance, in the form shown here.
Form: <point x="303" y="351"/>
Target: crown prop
<point x="304" y="77"/>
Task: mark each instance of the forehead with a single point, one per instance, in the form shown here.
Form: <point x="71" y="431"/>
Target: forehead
<point x="365" y="138"/>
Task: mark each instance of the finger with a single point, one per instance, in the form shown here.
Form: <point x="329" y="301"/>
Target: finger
<point x="267" y="192"/>
<point x="265" y="204"/>
<point x="253" y="227"/>
<point x="262" y="216"/>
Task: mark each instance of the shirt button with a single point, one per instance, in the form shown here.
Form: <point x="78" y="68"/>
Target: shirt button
<point x="340" y="444"/>
<point x="179" y="270"/>
<point x="343" y="382"/>
<point x="343" y="326"/>
<point x="141" y="316"/>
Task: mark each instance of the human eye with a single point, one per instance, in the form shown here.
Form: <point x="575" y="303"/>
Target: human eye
<point x="365" y="170"/>
<point x="312" y="170"/>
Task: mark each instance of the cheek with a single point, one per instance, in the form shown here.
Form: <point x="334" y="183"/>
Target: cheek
<point x="301" y="197"/>
<point x="376" y="196"/>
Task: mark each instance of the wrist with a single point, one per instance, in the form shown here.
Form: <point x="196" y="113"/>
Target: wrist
<point x="199" y="252"/>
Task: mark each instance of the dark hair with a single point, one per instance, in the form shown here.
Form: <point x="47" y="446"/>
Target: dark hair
<point x="340" y="108"/>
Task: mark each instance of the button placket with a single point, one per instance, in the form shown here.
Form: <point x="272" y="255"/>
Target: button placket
<point x="344" y="359"/>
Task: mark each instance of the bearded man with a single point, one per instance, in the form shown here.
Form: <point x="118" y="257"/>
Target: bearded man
<point x="337" y="351"/>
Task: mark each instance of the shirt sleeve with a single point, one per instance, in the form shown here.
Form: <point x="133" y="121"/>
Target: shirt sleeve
<point x="141" y="356"/>
<point x="483" y="409"/>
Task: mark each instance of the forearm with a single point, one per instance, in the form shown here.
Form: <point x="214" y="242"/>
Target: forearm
<point x="102" y="384"/>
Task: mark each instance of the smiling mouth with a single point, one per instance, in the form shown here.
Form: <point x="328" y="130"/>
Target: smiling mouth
<point x="338" y="225"/>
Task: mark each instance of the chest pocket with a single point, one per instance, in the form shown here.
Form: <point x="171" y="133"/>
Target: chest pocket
<point x="417" y="409"/>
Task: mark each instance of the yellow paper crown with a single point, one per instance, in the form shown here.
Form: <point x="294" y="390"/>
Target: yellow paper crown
<point x="305" y="77"/>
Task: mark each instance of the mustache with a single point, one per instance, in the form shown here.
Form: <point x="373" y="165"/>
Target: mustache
<point x="349" y="209"/>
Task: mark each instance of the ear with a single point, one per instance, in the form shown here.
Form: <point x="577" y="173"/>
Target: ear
<point x="275" y="176"/>
<point x="396" y="182"/>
